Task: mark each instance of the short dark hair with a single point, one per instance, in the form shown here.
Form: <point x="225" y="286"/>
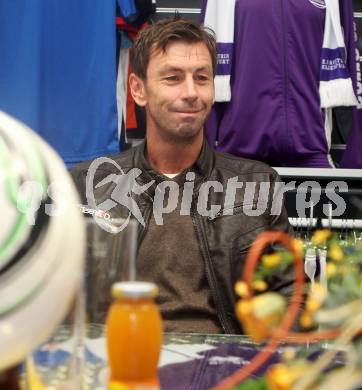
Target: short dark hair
<point x="157" y="36"/>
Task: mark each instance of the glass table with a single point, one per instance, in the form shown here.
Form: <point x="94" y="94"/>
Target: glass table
<point x="188" y="361"/>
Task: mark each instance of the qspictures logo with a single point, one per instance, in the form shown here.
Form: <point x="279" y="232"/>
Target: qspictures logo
<point x="124" y="187"/>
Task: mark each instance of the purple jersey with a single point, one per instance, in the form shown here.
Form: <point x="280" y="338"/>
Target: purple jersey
<point x="352" y="157"/>
<point x="274" y="114"/>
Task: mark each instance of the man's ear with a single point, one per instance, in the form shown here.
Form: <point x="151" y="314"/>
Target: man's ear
<point x="138" y="90"/>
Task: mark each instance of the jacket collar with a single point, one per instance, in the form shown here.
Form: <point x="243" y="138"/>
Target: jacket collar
<point x="202" y="167"/>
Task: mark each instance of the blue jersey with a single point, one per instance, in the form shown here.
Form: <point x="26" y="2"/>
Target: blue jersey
<point x="58" y="72"/>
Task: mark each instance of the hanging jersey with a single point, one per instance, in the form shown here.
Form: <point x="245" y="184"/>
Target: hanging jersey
<point x="352" y="157"/>
<point x="128" y="9"/>
<point x="131" y="118"/>
<point x="58" y="73"/>
<point x="274" y="114"/>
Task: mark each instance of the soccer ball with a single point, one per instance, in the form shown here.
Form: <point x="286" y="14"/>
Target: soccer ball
<point x="42" y="240"/>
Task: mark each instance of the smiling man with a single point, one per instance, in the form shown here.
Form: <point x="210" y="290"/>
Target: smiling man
<point x="201" y="209"/>
<point x="177" y="90"/>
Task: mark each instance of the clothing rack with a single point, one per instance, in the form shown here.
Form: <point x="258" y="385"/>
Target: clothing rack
<point x="164" y="10"/>
<point x="170" y="10"/>
<point x="319" y="179"/>
<point x="320" y="173"/>
<point x="334" y="223"/>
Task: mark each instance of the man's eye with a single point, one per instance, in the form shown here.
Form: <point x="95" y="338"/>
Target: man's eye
<point x="172" y="78"/>
<point x="202" y="78"/>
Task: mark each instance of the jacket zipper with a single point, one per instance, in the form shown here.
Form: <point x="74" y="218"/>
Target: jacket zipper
<point x="220" y="305"/>
<point x="220" y="213"/>
<point x="143" y="229"/>
<point x="147" y="216"/>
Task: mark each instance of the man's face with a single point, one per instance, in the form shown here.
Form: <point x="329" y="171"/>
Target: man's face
<point x="179" y="90"/>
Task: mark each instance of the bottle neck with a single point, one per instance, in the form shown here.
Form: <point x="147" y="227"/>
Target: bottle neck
<point x="134" y="301"/>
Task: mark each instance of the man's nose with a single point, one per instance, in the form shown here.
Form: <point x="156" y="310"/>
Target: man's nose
<point x="189" y="89"/>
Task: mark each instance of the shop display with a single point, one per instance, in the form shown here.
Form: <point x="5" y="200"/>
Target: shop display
<point x="277" y="68"/>
<point x="283" y="66"/>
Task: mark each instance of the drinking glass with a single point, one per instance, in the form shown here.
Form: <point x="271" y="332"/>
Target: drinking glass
<point x="111" y="250"/>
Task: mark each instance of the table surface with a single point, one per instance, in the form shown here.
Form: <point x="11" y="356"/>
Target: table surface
<point x="188" y="361"/>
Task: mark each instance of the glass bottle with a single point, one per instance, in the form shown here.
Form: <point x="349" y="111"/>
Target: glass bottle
<point x="134" y="336"/>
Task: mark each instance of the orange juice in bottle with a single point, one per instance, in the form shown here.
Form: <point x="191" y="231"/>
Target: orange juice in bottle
<point x="134" y="337"/>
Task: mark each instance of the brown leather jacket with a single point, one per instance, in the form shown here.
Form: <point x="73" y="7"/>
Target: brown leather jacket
<point x="225" y="236"/>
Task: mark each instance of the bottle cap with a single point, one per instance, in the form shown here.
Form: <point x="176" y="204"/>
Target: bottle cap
<point x="134" y="290"/>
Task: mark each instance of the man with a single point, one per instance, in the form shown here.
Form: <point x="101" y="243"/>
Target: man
<point x="201" y="209"/>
